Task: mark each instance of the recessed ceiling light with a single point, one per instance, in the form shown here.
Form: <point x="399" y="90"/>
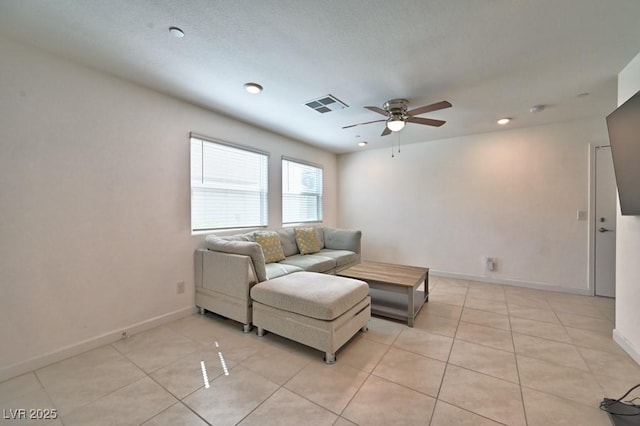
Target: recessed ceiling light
<point x="504" y="121"/>
<point x="362" y="143"/>
<point x="176" y="32"/>
<point x="253" y="88"/>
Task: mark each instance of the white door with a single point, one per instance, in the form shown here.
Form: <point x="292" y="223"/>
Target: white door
<point x="605" y="223"/>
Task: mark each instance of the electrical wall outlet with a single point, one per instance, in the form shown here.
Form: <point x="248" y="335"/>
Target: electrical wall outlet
<point x="180" y="287"/>
<point x="490" y="263"/>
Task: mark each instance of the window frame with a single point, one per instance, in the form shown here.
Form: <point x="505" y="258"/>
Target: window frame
<point x="263" y="195"/>
<point x="320" y="198"/>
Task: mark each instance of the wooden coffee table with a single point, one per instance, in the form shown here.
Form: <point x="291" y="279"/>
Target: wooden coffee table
<point x="394" y="289"/>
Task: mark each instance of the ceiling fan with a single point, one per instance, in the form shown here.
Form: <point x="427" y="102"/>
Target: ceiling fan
<point x="397" y="115"/>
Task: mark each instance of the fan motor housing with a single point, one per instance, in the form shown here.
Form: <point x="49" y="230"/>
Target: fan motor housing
<point x="396" y="106"/>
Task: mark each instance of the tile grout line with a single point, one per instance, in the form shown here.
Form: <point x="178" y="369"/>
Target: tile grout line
<point x="179" y="400"/>
<point x="467" y="369"/>
<point x="573" y="344"/>
<point x="102" y="396"/>
<point x="261" y="403"/>
<point x="281" y="386"/>
<point x="446" y="367"/>
<point x="369" y="374"/>
<point x="582" y="356"/>
<point x="515" y="357"/>
<point x="46" y="392"/>
<point x="149" y="375"/>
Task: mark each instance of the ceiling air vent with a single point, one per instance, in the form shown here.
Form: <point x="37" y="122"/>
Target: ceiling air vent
<point x="326" y="104"/>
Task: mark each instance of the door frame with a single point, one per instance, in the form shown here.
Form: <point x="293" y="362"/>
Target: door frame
<point x="593" y="147"/>
<point x="591" y="288"/>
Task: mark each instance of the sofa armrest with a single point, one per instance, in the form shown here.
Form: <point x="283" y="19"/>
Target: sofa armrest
<point x="230" y="274"/>
<point x="342" y="239"/>
<point x="245" y="248"/>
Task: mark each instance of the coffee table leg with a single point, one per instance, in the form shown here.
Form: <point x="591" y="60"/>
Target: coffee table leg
<point x="410" y="306"/>
<point x="426" y="287"/>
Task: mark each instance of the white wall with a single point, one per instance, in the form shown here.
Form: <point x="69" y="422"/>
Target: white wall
<point x="446" y="204"/>
<point x="627" y="331"/>
<point x="94" y="204"/>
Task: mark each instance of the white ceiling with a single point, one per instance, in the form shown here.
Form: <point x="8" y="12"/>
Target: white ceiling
<point x="489" y="58"/>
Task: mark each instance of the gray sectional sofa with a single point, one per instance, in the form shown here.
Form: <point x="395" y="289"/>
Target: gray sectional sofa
<point x="230" y="266"/>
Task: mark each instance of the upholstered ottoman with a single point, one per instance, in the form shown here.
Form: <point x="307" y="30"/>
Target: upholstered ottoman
<point x="318" y="310"/>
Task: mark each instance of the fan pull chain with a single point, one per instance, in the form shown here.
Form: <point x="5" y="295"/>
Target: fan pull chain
<point x="392" y="144"/>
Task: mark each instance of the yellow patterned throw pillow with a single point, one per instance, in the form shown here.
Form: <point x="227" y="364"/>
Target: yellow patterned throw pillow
<point x="271" y="246"/>
<point x="307" y="240"/>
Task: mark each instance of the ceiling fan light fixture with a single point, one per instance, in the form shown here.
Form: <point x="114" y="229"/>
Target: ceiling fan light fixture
<point x="395" y="124"/>
<point x="253" y="88"/>
<point x="397" y="115"/>
<point x="176" y="32"/>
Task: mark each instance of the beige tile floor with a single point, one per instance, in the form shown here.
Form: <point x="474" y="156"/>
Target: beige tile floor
<point x="480" y="354"/>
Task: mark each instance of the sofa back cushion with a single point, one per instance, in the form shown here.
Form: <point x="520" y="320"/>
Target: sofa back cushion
<point x="271" y="246"/>
<point x="342" y="239"/>
<point x="288" y="240"/>
<point x="240" y="237"/>
<point x="320" y="235"/>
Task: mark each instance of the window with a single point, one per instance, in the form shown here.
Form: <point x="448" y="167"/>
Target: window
<point x="301" y="192"/>
<point x="228" y="185"/>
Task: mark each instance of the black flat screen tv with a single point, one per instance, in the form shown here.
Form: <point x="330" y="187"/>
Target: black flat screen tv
<point x="624" y="135"/>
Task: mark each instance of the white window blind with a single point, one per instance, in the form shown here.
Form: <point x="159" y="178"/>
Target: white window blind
<point x="301" y="192"/>
<point x="228" y="186"/>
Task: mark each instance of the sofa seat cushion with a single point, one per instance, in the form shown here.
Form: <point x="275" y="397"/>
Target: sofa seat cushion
<point x="342" y="257"/>
<point x="275" y="270"/>
<point x="320" y="296"/>
<point x="311" y="262"/>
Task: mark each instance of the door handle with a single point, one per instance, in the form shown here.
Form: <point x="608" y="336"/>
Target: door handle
<point x="604" y="230"/>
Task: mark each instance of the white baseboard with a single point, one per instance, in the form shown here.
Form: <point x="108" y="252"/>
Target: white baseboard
<point x="626" y="345"/>
<point x="511" y="282"/>
<point x="88" y="344"/>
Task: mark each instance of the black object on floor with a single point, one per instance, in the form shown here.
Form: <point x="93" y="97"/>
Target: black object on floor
<point x="625" y="414"/>
<point x="622" y="413"/>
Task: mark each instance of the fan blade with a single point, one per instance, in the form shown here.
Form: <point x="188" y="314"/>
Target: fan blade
<point x="386" y="131"/>
<point x="378" y="110"/>
<point x="428" y="108"/>
<point x="360" y="124"/>
<point x="427" y="121"/>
